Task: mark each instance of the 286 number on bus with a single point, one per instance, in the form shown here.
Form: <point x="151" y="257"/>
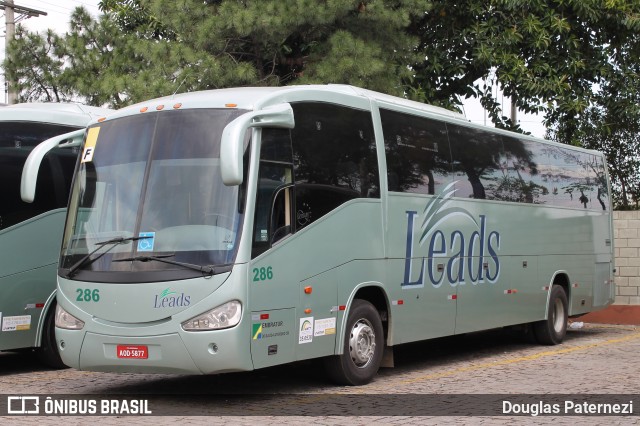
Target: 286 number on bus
<point x="88" y="295"/>
<point x="262" y="274"/>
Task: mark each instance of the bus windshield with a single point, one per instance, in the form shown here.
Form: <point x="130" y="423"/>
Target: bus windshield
<point x="148" y="199"/>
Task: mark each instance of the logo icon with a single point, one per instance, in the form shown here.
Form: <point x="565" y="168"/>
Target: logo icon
<point x="257" y="331"/>
<point x="23" y="405"/>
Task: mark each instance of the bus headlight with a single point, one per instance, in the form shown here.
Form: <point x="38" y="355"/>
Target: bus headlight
<point x="224" y="316"/>
<point x="65" y="320"/>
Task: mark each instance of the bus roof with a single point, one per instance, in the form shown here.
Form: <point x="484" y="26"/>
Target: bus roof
<point x="72" y="114"/>
<point x="252" y="98"/>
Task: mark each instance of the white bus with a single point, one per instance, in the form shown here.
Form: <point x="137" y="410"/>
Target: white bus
<point x="30" y="233"/>
<point x="236" y="229"/>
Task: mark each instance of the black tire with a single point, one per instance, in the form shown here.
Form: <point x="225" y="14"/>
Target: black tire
<point x="363" y="347"/>
<point x="48" y="350"/>
<point x="552" y="330"/>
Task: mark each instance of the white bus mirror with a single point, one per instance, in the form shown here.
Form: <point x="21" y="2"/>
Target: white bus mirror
<point x="32" y="165"/>
<point x="232" y="143"/>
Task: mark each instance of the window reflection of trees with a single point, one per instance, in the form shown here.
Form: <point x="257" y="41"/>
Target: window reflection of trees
<point x="335" y="145"/>
<point x="577" y="179"/>
<point x="487" y="165"/>
<point x="484" y="159"/>
<point x="417" y="153"/>
<point x="519" y="172"/>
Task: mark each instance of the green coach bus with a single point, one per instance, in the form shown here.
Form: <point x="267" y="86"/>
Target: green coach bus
<point x="30" y="233"/>
<point x="237" y="229"/>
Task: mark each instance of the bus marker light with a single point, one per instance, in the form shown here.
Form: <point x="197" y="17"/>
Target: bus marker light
<point x="452" y="297"/>
<point x="34" y="306"/>
<point x="264" y="316"/>
<point x="160" y="107"/>
<point x="101" y="119"/>
<point x="176" y="106"/>
<point x="397" y="302"/>
<point x="231" y="105"/>
<point x="342" y="307"/>
<point x="575" y="285"/>
<point x="144" y="109"/>
<point x="308" y="289"/>
<point x="545" y="288"/>
<point x="307" y="311"/>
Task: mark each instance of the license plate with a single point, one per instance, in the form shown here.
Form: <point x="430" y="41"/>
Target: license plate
<point x="132" y="351"/>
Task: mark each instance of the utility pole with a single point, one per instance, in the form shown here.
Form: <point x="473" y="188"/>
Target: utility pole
<point x="514" y="111"/>
<point x="10" y="10"/>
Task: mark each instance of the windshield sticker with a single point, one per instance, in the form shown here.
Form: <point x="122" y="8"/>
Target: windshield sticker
<point x="90" y="145"/>
<point x="324" y="327"/>
<point x="19" y="323"/>
<point x="146" y="243"/>
<point x="306" y="330"/>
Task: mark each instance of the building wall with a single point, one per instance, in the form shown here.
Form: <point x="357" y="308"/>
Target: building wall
<point x="626" y="231"/>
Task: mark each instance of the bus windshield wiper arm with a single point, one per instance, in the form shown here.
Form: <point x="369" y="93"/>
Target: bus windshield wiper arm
<point x="113" y="242"/>
<point x="208" y="270"/>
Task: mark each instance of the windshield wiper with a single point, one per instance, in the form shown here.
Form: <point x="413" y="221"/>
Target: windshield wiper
<point x="208" y="270"/>
<point x="87" y="259"/>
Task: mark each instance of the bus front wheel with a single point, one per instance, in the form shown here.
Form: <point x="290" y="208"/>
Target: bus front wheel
<point x="363" y="347"/>
<point x="552" y="330"/>
<point x="48" y="350"/>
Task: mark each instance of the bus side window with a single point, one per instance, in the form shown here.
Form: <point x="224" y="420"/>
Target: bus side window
<point x="335" y="159"/>
<point x="272" y="220"/>
<point x="417" y="152"/>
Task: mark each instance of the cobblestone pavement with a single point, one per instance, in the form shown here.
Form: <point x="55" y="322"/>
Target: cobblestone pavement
<point x="470" y="371"/>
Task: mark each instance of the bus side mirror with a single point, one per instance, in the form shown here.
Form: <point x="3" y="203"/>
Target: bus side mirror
<point x="232" y="143"/>
<point x="32" y="165"/>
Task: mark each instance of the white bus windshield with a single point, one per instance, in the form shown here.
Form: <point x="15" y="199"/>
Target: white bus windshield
<point x="148" y="199"/>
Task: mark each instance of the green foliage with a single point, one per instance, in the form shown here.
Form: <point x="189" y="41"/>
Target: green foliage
<point x="574" y="61"/>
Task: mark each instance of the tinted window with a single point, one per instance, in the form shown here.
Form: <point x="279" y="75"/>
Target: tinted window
<point x="335" y="145"/>
<point x="417" y="153"/>
<point x="573" y="178"/>
<point x="335" y="160"/>
<point x="54" y="177"/>
<point x="477" y="161"/>
<point x="521" y="183"/>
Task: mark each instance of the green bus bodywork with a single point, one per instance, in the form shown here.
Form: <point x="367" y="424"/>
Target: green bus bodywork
<point x="350" y="222"/>
<point x="30" y="233"/>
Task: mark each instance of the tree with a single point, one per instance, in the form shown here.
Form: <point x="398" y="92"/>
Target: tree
<point x="35" y="67"/>
<point x="547" y="55"/>
<point x="552" y="57"/>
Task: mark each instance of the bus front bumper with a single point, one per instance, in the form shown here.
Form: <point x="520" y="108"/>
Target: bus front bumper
<point x="177" y="353"/>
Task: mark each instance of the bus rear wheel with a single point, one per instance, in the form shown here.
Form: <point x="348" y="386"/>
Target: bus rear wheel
<point x="363" y="347"/>
<point x="48" y="350"/>
<point x="552" y="330"/>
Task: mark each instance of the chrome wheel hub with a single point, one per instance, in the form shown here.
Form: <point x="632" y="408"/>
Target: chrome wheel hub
<point x="362" y="343"/>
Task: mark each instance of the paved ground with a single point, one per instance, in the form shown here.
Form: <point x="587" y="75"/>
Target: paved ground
<point x="456" y="376"/>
